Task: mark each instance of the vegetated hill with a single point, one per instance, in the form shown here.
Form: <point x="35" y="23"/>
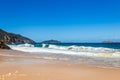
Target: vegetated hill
<point x="9" y="38"/>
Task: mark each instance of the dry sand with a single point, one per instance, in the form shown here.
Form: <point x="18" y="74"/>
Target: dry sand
<point x="36" y="71"/>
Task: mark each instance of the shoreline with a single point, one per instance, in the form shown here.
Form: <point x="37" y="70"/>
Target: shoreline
<point x="19" y="57"/>
<point x="22" y="68"/>
<point x="59" y="58"/>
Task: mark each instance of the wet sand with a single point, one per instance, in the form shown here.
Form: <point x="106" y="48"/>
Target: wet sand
<point x="11" y="70"/>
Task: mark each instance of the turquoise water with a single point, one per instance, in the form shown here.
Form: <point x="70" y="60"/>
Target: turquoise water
<point x="104" y="45"/>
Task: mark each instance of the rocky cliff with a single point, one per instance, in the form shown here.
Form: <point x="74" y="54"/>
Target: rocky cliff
<point x="9" y="38"/>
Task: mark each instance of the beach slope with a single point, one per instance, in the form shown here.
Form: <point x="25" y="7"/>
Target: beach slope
<point x="9" y="70"/>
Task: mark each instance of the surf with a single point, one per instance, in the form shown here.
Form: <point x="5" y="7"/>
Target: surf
<point x="69" y="50"/>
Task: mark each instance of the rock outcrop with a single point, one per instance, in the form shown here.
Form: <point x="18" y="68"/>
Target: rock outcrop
<point x="3" y="45"/>
<point x="9" y="38"/>
<point x="51" y="41"/>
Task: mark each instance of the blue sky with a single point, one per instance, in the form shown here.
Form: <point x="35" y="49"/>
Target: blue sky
<point x="65" y="20"/>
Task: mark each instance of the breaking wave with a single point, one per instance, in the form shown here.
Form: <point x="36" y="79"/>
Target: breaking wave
<point x="70" y="50"/>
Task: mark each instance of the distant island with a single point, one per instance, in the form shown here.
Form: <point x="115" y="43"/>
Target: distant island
<point x="51" y="41"/>
<point x="109" y="42"/>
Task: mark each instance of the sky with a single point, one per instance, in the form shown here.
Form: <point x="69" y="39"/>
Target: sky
<point x="64" y="20"/>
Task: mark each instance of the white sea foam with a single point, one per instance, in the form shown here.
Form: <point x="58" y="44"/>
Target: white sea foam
<point x="43" y="45"/>
<point x="71" y="50"/>
<point x="83" y="48"/>
<point x="25" y="45"/>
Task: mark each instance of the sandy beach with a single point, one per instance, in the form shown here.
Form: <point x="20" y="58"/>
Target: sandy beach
<point x="12" y="70"/>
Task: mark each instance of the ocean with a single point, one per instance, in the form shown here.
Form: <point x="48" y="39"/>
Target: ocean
<point x="99" y="54"/>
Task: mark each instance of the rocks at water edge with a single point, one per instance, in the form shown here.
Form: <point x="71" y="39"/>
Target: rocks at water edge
<point x="3" y="45"/>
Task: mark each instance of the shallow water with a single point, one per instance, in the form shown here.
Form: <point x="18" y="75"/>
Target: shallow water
<point x="106" y="55"/>
<point x="49" y="58"/>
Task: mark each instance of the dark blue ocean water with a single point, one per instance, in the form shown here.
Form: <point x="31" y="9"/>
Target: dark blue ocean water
<point x="104" y="45"/>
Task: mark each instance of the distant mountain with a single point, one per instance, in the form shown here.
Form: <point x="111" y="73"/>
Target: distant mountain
<point x="9" y="38"/>
<point x="51" y="41"/>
